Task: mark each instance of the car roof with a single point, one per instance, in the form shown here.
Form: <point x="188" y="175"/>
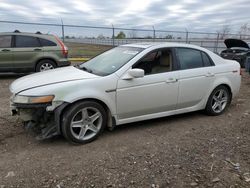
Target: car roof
<point x="156" y="45"/>
<point x="162" y="45"/>
<point x="139" y="45"/>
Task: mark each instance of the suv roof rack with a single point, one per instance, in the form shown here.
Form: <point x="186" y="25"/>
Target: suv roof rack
<point x="17" y="31"/>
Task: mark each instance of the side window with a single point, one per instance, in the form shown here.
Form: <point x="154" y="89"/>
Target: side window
<point x="206" y="60"/>
<point x="189" y="58"/>
<point x="5" y="41"/>
<point x="26" y="42"/>
<point x="45" y="42"/>
<point x="156" y="62"/>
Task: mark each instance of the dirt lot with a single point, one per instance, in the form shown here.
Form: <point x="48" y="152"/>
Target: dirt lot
<point x="191" y="150"/>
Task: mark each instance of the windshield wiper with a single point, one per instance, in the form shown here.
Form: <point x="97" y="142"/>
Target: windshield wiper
<point x="86" y="69"/>
<point x="77" y="66"/>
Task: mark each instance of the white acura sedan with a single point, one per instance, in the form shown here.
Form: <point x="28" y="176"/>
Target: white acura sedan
<point x="126" y="84"/>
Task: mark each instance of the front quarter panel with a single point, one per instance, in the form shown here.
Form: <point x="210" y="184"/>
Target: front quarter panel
<point x="103" y="89"/>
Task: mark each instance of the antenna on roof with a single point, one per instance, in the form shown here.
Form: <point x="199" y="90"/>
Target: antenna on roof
<point x="17" y="31"/>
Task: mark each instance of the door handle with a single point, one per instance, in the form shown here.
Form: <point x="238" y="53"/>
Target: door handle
<point x="209" y="74"/>
<point x="5" y="50"/>
<point x="171" y="80"/>
<point x="37" y="49"/>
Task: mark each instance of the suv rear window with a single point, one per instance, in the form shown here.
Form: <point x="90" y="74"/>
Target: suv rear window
<point x="5" y="41"/>
<point x="45" y="42"/>
<point x="26" y="42"/>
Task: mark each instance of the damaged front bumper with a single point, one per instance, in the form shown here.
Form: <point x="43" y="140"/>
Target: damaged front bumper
<point x="43" y="119"/>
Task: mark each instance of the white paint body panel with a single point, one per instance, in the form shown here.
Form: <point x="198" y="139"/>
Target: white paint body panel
<point x="149" y="97"/>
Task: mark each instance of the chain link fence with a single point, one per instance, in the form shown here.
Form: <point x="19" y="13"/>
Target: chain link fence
<point x="114" y="36"/>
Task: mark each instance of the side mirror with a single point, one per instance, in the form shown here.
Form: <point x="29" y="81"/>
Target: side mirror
<point x="134" y="73"/>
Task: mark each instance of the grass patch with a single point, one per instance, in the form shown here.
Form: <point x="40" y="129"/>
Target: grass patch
<point x="85" y="50"/>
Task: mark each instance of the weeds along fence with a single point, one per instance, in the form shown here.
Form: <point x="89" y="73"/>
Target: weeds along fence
<point x="114" y="36"/>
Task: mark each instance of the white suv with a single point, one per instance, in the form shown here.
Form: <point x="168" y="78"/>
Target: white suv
<point x="126" y="84"/>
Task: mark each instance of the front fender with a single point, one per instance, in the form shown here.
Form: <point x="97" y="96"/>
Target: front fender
<point x="103" y="89"/>
<point x="108" y="98"/>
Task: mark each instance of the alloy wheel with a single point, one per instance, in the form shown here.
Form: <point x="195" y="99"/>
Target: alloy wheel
<point x="86" y="123"/>
<point x="219" y="100"/>
<point x="46" y="66"/>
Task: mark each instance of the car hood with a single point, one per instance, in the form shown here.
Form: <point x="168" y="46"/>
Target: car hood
<point x="230" y="43"/>
<point x="58" y="75"/>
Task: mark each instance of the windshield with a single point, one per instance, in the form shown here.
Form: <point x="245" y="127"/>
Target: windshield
<point x="110" y="61"/>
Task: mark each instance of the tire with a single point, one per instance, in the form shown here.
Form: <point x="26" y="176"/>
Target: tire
<point x="218" y="101"/>
<point x="45" y="64"/>
<point x="83" y="122"/>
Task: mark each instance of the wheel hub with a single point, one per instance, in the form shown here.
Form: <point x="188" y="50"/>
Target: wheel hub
<point x="86" y="123"/>
<point x="220" y="100"/>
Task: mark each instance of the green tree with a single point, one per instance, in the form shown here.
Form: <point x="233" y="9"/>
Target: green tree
<point x="121" y="35"/>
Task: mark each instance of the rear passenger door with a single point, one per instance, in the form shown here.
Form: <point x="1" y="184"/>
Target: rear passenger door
<point x="6" y="54"/>
<point x="27" y="50"/>
<point x="195" y="78"/>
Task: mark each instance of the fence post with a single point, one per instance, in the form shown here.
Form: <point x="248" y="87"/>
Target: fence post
<point x="186" y="35"/>
<point x="62" y="30"/>
<point x="217" y="43"/>
<point x="113" y="35"/>
<point x="153" y="33"/>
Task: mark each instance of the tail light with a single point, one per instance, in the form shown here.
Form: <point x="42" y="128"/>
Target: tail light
<point x="64" y="48"/>
<point x="240" y="71"/>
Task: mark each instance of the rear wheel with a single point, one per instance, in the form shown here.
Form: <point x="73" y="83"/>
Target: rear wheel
<point x="218" y="101"/>
<point x="83" y="122"/>
<point x="44" y="65"/>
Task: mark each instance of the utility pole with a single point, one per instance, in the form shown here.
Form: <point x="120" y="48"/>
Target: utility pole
<point x="186" y="35"/>
<point x="153" y="32"/>
<point x="113" y="35"/>
<point x="62" y="29"/>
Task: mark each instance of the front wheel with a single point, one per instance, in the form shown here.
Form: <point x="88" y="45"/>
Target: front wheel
<point x="218" y="101"/>
<point x="83" y="122"/>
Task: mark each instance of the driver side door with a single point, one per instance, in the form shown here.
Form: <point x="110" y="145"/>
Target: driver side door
<point x="154" y="93"/>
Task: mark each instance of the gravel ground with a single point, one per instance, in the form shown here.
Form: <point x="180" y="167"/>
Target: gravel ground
<point x="190" y="150"/>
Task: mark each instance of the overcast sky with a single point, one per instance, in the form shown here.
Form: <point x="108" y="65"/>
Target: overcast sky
<point x="194" y="15"/>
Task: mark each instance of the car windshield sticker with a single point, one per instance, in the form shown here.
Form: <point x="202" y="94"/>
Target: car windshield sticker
<point x="130" y="52"/>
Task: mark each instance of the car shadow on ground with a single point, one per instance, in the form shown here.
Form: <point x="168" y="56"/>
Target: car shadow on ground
<point x="131" y="127"/>
<point x="158" y="121"/>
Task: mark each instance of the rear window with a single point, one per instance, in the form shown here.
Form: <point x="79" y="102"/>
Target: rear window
<point x="26" y="42"/>
<point x="45" y="42"/>
<point x="5" y="41"/>
<point x="206" y="60"/>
